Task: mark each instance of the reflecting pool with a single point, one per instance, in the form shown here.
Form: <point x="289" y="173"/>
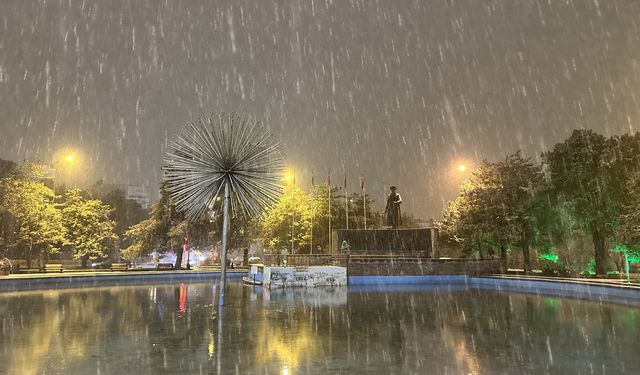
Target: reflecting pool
<point x="176" y="328"/>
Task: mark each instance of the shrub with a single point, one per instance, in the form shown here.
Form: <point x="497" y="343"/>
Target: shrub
<point x="5" y="265"/>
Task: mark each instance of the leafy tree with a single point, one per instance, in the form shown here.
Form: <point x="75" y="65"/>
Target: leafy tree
<point x="356" y="213"/>
<point x="295" y="208"/>
<point x="474" y="219"/>
<point x="580" y="171"/>
<point x="494" y="208"/>
<point x="124" y="212"/>
<point x="153" y="233"/>
<point x="625" y="166"/>
<point x="521" y="181"/>
<point x="8" y="168"/>
<point x="165" y="228"/>
<point x="89" y="230"/>
<point x="628" y="231"/>
<point x="37" y="223"/>
<point x="142" y="238"/>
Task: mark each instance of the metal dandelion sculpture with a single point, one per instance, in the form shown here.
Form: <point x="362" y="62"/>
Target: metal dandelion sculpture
<point x="224" y="155"/>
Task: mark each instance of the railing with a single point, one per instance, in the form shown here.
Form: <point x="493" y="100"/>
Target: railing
<point x="306" y="260"/>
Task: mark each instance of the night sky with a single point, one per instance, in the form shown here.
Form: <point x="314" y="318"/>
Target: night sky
<point x="397" y="91"/>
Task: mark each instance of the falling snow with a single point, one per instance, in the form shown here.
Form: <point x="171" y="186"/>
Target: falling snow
<point x="398" y="92"/>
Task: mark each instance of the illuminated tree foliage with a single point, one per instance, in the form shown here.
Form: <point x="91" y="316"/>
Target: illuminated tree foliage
<point x="89" y="230"/>
<point x="37" y="224"/>
<point x="293" y="209"/>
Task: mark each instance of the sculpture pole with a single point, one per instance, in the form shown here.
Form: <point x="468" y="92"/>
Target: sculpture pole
<point x="225" y="242"/>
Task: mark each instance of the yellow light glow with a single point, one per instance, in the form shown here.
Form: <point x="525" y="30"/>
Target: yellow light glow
<point x="462" y="168"/>
<point x="289" y="176"/>
<point x="69" y="158"/>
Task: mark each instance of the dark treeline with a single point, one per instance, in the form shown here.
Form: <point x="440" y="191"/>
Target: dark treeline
<point x="577" y="211"/>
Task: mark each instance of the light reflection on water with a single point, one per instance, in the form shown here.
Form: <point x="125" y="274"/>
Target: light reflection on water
<point x="175" y="329"/>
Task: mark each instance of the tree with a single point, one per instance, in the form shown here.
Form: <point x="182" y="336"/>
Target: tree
<point x="520" y="181"/>
<point x="36" y="221"/>
<point x="628" y="231"/>
<point x="165" y="228"/>
<point x="142" y="237"/>
<point x="625" y="166"/>
<point x="494" y="208"/>
<point x="124" y="212"/>
<point x="289" y="220"/>
<point x="356" y="212"/>
<point x="580" y="171"/>
<point x="152" y="233"/>
<point x="8" y="168"/>
<point x="89" y="230"/>
<point x="473" y="219"/>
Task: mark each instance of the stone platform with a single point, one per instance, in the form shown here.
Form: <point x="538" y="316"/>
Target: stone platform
<point x="391" y="242"/>
<point x="283" y="277"/>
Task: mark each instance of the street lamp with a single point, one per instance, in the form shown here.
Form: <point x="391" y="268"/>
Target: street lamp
<point x="68" y="159"/>
<point x="462" y="168"/>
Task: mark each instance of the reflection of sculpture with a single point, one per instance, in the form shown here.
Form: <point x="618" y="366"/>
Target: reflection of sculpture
<point x="393" y="208"/>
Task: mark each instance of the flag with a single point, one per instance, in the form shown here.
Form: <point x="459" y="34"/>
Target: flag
<point x="329" y="178"/>
<point x="361" y="183"/>
<point x="313" y="183"/>
<point x="345" y="181"/>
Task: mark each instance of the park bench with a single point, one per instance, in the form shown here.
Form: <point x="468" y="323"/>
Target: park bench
<point x="53" y="268"/>
<point x="207" y="268"/>
<point x="165" y="266"/>
<point x="119" y="267"/>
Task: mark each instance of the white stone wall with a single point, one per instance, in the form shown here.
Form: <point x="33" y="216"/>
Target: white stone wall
<point x="282" y="277"/>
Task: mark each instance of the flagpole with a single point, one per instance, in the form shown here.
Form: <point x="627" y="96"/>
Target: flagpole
<point x="364" y="201"/>
<point x="329" y="183"/>
<point x="312" y="213"/>
<point x="293" y="216"/>
<point x="311" y="239"/>
<point x="346" y="200"/>
<point x="364" y="205"/>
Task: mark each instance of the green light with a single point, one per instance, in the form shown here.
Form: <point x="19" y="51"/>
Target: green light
<point x="552" y="302"/>
<point x="549" y="256"/>
<point x="633" y="256"/>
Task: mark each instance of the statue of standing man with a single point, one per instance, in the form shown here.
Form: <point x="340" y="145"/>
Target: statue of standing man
<point x="393" y="208"/>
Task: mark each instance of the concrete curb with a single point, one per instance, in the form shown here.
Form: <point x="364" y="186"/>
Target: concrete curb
<point x="71" y="280"/>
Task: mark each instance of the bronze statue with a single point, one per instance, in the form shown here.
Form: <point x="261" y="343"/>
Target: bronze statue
<point x="393" y="208"/>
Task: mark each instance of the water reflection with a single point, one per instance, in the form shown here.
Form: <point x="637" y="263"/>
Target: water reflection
<point x="177" y="329"/>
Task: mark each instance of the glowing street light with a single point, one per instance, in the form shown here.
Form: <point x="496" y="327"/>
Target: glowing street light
<point x="462" y="168"/>
<point x="68" y="159"/>
<point x="289" y="178"/>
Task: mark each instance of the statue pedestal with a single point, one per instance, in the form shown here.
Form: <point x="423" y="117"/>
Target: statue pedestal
<point x="406" y="242"/>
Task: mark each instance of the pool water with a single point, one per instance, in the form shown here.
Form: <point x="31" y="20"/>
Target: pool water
<point x="447" y="329"/>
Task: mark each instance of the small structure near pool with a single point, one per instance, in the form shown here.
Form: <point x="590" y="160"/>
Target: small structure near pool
<point x="283" y="277"/>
